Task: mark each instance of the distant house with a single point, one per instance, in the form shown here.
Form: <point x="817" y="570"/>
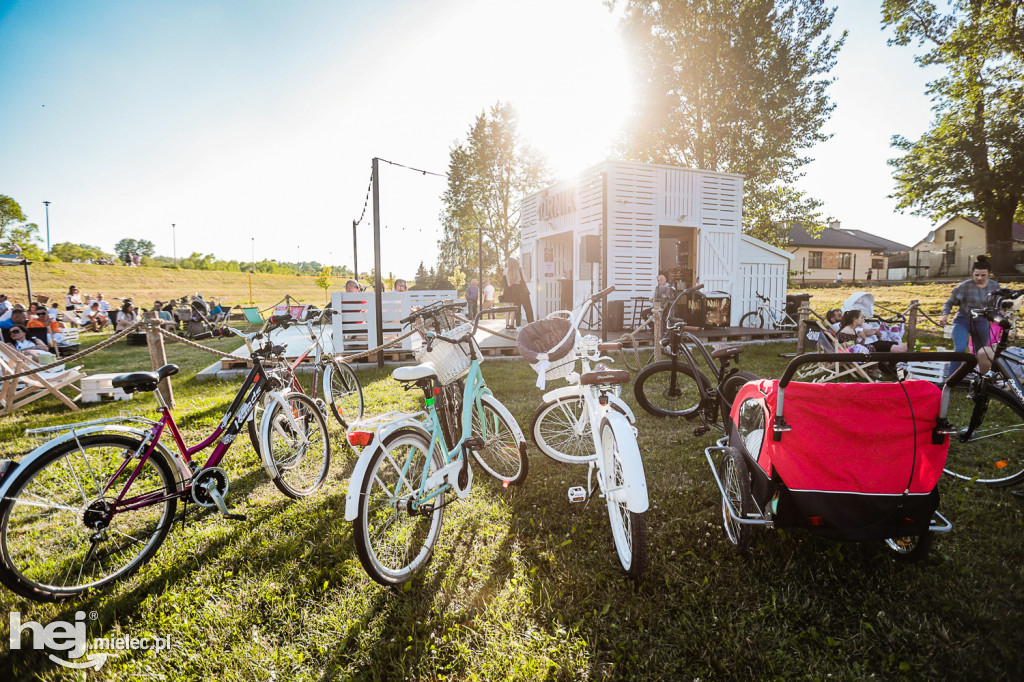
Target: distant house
<point x="951" y="248"/>
<point x="824" y="256"/>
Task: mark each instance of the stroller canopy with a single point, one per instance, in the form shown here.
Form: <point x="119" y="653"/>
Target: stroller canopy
<point x="863" y="301"/>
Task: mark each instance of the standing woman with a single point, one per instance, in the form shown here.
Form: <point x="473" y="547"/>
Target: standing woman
<point x="971" y="294"/>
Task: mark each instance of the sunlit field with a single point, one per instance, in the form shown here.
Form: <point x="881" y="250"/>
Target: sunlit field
<point x="524" y="585"/>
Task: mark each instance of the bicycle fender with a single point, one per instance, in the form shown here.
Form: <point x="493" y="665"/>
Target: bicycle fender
<point x="575" y="391"/>
<point x="355" y="481"/>
<point x="632" y="463"/>
<point x="89" y="431"/>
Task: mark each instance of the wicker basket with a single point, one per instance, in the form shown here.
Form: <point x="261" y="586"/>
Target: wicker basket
<point x="450" y="360"/>
<point x="561" y="368"/>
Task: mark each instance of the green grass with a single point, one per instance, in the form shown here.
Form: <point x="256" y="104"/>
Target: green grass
<point x="524" y="585"/>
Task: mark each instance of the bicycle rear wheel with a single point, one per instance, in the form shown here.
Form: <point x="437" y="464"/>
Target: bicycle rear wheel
<point x="296" y="442"/>
<point x="669" y="389"/>
<point x="393" y="539"/>
<point x="994" y="455"/>
<point x="342" y="392"/>
<point x="629" y="529"/>
<point x="59" y="532"/>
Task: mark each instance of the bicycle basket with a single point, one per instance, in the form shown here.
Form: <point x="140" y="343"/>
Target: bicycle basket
<point x="550" y="348"/>
<point x="449" y="359"/>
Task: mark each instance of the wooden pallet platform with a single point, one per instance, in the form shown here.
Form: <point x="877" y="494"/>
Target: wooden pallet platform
<point x="232" y="363"/>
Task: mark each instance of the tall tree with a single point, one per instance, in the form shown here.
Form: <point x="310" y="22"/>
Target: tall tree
<point x="971" y="160"/>
<point x="738" y="86"/>
<point x="487" y="177"/>
<point x="15" y="232"/>
<point x="143" y="247"/>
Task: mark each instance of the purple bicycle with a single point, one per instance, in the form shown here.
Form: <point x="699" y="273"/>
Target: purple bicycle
<point x="93" y="504"/>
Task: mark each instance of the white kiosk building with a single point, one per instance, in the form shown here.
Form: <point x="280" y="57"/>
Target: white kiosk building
<point x="621" y="223"/>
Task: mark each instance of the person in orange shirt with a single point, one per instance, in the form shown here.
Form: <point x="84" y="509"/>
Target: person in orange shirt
<point x="42" y="319"/>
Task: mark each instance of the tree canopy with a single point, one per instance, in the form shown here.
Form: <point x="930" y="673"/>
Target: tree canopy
<point x="15" y="233"/>
<point x="143" y="247"/>
<point x="488" y="175"/>
<point x="971" y="160"/>
<point x="736" y="86"/>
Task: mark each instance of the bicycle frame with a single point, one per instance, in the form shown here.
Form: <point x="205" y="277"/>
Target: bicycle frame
<point x="223" y="435"/>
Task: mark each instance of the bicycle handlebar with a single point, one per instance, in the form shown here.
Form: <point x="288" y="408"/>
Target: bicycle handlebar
<point x="432" y="310"/>
<point x="601" y="294"/>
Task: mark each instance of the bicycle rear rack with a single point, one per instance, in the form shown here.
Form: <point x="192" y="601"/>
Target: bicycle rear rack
<point x="46" y="432"/>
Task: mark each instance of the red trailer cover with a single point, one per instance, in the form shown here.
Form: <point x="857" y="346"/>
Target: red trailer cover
<point x="857" y="438"/>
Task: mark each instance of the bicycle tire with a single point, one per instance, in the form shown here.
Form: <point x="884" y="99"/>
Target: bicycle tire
<point x="732" y="471"/>
<point x="342" y="392"/>
<point x="629" y="528"/>
<point x="752" y="320"/>
<point x="384" y="530"/>
<point x="994" y="456"/>
<point x="654" y="383"/>
<point x="301" y="460"/>
<point x="503" y="456"/>
<point x="732" y="385"/>
<point x="561" y="430"/>
<point x="136" y="535"/>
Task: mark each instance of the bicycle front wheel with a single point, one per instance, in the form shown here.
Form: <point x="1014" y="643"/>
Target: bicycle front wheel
<point x="342" y="392"/>
<point x="296" y="443"/>
<point x="394" y="533"/>
<point x="561" y="429"/>
<point x="994" y="454"/>
<point x="752" y="320"/>
<point x="668" y="389"/>
<point x="629" y="529"/>
<point x="503" y="454"/>
<point x="60" y="533"/>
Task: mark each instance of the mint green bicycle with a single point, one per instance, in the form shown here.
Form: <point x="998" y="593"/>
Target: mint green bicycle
<point x="407" y="473"/>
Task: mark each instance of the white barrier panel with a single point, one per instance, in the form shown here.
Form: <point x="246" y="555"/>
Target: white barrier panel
<point x="355" y="327"/>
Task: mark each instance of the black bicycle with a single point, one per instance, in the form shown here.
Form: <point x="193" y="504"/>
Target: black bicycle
<point x="989" y="409"/>
<point x="677" y="388"/>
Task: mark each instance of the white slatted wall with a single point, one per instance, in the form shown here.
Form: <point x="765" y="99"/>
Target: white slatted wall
<point x="680" y="197"/>
<point x="768" y="279"/>
<point x="718" y="250"/>
<point x="633" y="244"/>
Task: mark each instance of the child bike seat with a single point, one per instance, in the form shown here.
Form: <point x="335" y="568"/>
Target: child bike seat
<point x="415" y="373"/>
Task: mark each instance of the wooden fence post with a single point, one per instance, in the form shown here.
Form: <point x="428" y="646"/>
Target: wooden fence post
<point x="912" y="325"/>
<point x="803" y="313"/>
<point x="656" y="328"/>
<point x="157" y="355"/>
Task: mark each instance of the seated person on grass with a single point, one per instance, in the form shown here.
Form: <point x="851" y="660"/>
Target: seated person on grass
<point x="42" y="320"/>
<point x="94" y="318"/>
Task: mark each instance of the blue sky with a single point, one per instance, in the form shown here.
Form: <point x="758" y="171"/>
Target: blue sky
<point x="251" y="125"/>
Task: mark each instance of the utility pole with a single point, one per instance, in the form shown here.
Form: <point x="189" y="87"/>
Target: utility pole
<point x="377" y="286"/>
<point x="174" y="244"/>
<point x="355" y="252"/>
<point x="47" y="204"/>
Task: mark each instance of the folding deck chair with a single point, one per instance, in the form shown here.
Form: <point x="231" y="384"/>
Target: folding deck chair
<point x="822" y="372"/>
<point x="15" y="393"/>
<point x="252" y="316"/>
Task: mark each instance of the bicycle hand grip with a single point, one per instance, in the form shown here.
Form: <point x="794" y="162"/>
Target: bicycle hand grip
<point x="202" y="336"/>
<point x="601" y="294"/>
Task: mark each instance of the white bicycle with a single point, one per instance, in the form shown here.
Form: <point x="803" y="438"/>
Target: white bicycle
<point x="588" y="423"/>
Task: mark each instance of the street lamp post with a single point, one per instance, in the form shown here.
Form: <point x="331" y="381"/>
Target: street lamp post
<point x="174" y="244"/>
<point x="47" y="204"/>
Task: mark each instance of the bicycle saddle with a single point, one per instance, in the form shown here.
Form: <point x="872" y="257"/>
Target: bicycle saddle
<point x="728" y="352"/>
<point x="603" y="375"/>
<point x="415" y="373"/>
<point x="143" y="381"/>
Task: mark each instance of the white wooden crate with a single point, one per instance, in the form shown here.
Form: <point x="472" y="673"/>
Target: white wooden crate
<point x="934" y="372"/>
<point x="97" y="388"/>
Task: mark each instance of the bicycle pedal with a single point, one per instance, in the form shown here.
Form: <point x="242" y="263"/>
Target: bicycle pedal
<point x="475" y="443"/>
<point x="235" y="517"/>
<point x="577" y="493"/>
<point x="700" y="431"/>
